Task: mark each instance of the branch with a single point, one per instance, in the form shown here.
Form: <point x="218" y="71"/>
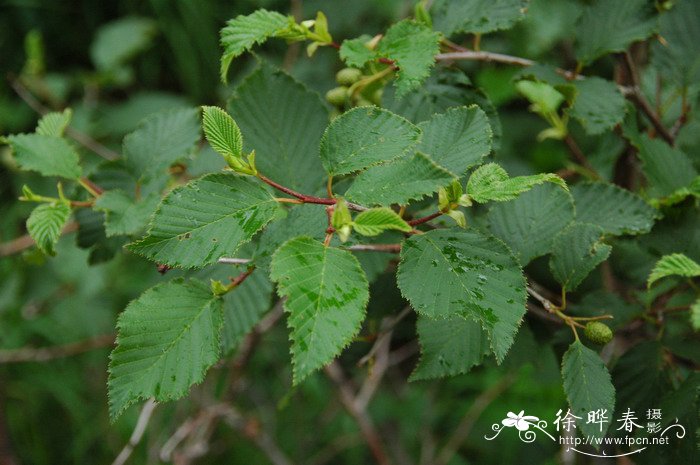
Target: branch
<point x="43" y="354"/>
<point x="307" y="198"/>
<point x="137" y="434"/>
<point x="81" y="138"/>
<point x="367" y="428"/>
<point x="387" y="248"/>
<point x="425" y="219"/>
<point x="24" y="242"/>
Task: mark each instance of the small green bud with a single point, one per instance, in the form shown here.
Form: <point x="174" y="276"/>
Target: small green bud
<point x="363" y="102"/>
<point x="348" y="76"/>
<point x="337" y="96"/>
<point x="377" y="97"/>
<point x="598" y="332"/>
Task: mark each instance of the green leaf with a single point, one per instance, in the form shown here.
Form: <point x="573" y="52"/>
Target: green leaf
<point x="695" y="315"/>
<point x="576" y="251"/>
<point x="529" y="223"/>
<point x="446" y="273"/>
<point x="544" y="97"/>
<point x="491" y="182"/>
<point x="588" y="387"/>
<point x="222" y="132"/>
<point x="457" y="139"/>
<point x="449" y="346"/>
<point x="123" y="215"/>
<point x="48" y="155"/>
<point x="375" y="221"/>
<point x="54" y="123"/>
<point x="166" y="341"/>
<point x="327" y="294"/>
<point x="413" y="47"/>
<point x="354" y="52"/>
<point x="608" y="26"/>
<point x="599" y="105"/>
<point x="119" y="41"/>
<point x="363" y="137"/>
<point x="161" y="140"/>
<point x="676" y="264"/>
<point x="616" y="210"/>
<point x="243" y="309"/>
<point x="667" y="169"/>
<point x="283" y="122"/>
<point x="242" y="32"/>
<point x="677" y="56"/>
<point x="45" y="224"/>
<point x="399" y="181"/>
<point x="476" y="16"/>
<point x="208" y="218"/>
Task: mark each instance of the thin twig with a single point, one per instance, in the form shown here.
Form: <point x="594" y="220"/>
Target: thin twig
<point x="367" y="428"/>
<point x="386" y="331"/>
<point x="461" y="433"/>
<point x="307" y="198"/>
<point x="578" y="154"/>
<point x="425" y="219"/>
<point x="24" y="242"/>
<point x="388" y="248"/>
<point x="137" y="434"/>
<point x="234" y="261"/>
<point x="83" y="139"/>
<point x="44" y="354"/>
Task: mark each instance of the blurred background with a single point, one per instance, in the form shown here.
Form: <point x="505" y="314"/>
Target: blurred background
<point x="115" y="63"/>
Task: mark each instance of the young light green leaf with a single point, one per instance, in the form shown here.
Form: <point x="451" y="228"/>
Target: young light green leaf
<point x="576" y="251"/>
<point x="166" y="341"/>
<point x="476" y="16"/>
<point x="363" y="137"/>
<point x="54" y="123"/>
<point x="449" y="346"/>
<point x="242" y="32"/>
<point x="283" y="122"/>
<point x="161" y="140"/>
<point x="446" y="273"/>
<point x="327" y="294"/>
<point x="45" y="224"/>
<point x="413" y="47"/>
<point x="341" y="220"/>
<point x="48" y="155"/>
<point x="676" y="264"/>
<point x="124" y="215"/>
<point x="208" y="218"/>
<point x="529" y="223"/>
<point x="544" y="98"/>
<point x="616" y="210"/>
<point x="375" y="221"/>
<point x="599" y="105"/>
<point x="491" y="182"/>
<point x="457" y="139"/>
<point x="588" y="387"/>
<point x="607" y="26"/>
<point x="399" y="181"/>
<point x="119" y="41"/>
<point x="354" y="52"/>
<point x="666" y="168"/>
<point x="222" y="132"/>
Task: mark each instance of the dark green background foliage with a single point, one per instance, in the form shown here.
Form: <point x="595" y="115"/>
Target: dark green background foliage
<point x="578" y="195"/>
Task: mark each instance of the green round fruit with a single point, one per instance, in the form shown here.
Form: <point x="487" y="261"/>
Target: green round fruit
<point x="598" y="332"/>
<point x="348" y="76"/>
<point x="337" y="96"/>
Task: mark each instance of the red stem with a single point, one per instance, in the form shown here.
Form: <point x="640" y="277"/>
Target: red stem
<point x="425" y="219"/>
<point x="307" y="198"/>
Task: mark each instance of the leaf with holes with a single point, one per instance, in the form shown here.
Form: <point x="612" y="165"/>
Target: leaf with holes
<point x="166" y="341"/>
<point x="446" y="273"/>
<point x="208" y="218"/>
<point x="327" y="294"/>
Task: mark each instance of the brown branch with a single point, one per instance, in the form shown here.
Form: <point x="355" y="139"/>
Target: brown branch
<point x="367" y="428"/>
<point x="578" y="154"/>
<point x="461" y="433"/>
<point x="308" y="198"/>
<point x="137" y="434"/>
<point x="43" y="354"/>
<point x="83" y="139"/>
<point x="24" y="242"/>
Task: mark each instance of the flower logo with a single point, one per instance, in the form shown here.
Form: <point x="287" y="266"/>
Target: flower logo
<point x="521" y="421"/>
